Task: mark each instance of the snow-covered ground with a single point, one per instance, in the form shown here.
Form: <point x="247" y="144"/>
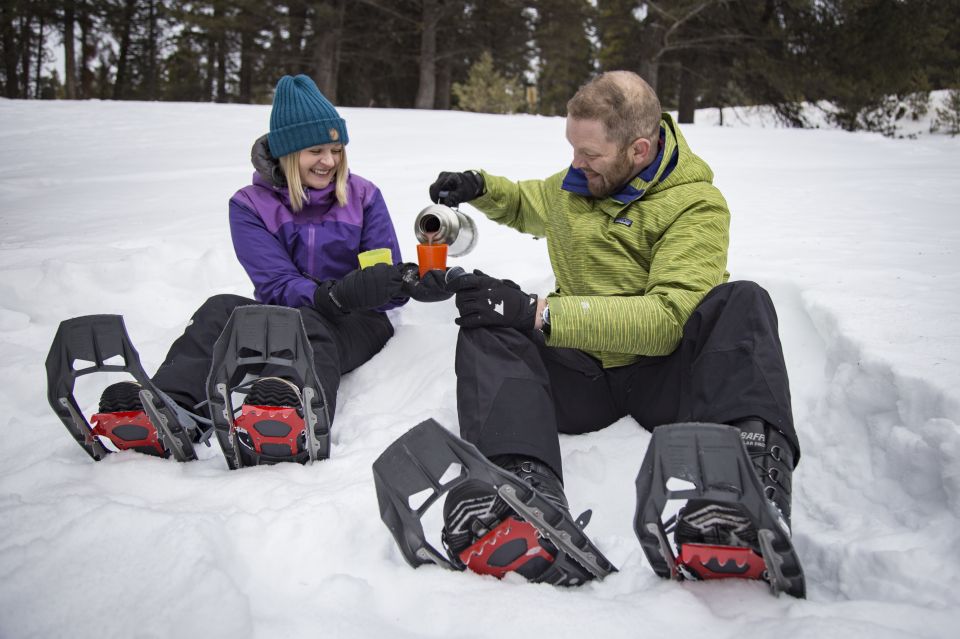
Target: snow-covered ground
<point x="121" y="208"/>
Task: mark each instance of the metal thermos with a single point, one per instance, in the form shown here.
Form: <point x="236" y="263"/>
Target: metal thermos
<point x="439" y="224"/>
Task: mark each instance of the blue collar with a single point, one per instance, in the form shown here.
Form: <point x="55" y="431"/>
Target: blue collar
<point x="576" y="182"/>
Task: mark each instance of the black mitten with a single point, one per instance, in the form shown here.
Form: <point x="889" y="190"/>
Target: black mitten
<point x="429" y="288"/>
<point x="360" y="289"/>
<point x="453" y="188"/>
<point x="486" y="301"/>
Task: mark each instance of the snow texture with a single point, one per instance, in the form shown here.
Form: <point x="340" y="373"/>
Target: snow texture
<point x="121" y="208"/>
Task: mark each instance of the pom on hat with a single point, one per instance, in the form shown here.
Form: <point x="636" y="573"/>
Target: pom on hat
<point x="302" y="117"/>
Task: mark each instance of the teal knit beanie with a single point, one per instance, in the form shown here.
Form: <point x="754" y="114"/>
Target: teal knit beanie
<point x="302" y="117"/>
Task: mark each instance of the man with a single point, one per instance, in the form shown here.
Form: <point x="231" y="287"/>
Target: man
<point x="642" y="321"/>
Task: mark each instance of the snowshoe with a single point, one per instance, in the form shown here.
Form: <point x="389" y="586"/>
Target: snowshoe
<point x="728" y="528"/>
<point x="132" y="415"/>
<point x="495" y="522"/>
<point x="280" y="420"/>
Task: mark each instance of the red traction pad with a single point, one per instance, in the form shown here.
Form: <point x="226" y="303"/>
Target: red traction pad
<point x="722" y="562"/>
<point x="127" y="429"/>
<point x="253" y="420"/>
<point x="477" y="557"/>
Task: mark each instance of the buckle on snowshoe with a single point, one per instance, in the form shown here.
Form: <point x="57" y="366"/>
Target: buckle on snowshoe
<point x="706" y="561"/>
<point x="274" y="431"/>
<point x="508" y="547"/>
<point x="127" y="430"/>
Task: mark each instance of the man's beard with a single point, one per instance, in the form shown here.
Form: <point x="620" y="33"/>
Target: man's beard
<point x="613" y="179"/>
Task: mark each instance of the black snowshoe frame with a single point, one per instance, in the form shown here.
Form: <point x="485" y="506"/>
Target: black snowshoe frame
<point x="418" y="465"/>
<point x="101" y="343"/>
<point x="711" y="459"/>
<point x="254" y="336"/>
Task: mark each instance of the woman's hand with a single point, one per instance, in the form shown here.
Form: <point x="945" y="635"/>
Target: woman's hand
<point x="361" y="289"/>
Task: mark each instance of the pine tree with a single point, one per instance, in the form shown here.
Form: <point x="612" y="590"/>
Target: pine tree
<point x="488" y="91"/>
<point x="565" y="51"/>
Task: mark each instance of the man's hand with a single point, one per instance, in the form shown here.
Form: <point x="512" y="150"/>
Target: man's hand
<point x="454" y="188"/>
<point x="486" y="301"/>
<point x="360" y="289"/>
<point x="429" y="288"/>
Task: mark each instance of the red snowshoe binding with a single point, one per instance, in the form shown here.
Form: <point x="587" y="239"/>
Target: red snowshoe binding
<point x="496" y="519"/>
<point x="733" y="525"/>
<point x="280" y="420"/>
<point x="133" y="415"/>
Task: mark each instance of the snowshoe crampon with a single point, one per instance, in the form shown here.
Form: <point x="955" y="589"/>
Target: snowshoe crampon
<point x="284" y="424"/>
<point x="708" y="463"/>
<point x="428" y="461"/>
<point x="154" y="424"/>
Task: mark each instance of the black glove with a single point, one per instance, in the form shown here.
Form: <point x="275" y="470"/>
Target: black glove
<point x="487" y="301"/>
<point x="360" y="289"/>
<point x="264" y="162"/>
<point x="453" y="188"/>
<point x="429" y="288"/>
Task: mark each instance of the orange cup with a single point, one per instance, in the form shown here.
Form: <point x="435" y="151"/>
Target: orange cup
<point x="431" y="256"/>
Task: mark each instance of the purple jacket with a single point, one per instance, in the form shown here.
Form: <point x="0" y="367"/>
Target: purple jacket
<point x="286" y="253"/>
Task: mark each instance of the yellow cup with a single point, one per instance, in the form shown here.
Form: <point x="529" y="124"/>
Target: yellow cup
<point x="375" y="256"/>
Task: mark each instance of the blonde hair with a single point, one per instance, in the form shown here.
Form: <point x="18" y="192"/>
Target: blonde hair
<point x="290" y="165"/>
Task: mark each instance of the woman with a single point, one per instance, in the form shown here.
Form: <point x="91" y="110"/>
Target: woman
<point x="298" y="230"/>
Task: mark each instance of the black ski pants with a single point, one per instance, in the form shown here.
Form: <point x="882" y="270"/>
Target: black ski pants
<point x="515" y="394"/>
<point x="338" y="347"/>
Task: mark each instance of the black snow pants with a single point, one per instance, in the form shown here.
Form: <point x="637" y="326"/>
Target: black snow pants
<point x="338" y="347"/>
<point x="515" y="394"/>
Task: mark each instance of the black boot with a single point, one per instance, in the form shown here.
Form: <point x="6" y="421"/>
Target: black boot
<point x="471" y="512"/>
<point x="772" y="458"/>
<point x="706" y="522"/>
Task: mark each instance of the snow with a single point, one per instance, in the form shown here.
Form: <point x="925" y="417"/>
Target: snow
<point x="121" y="208"/>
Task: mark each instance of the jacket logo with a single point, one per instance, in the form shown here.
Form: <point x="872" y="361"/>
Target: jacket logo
<point x="623" y="220"/>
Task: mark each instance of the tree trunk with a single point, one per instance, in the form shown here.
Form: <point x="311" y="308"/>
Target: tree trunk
<point x="26" y="24"/>
<point x="151" y="53"/>
<point x="39" y="57"/>
<point x="328" y="26"/>
<point x="120" y="86"/>
<point x="446" y="42"/>
<point x="87" y="52"/>
<point x="211" y="66"/>
<point x="11" y="87"/>
<point x="295" y="62"/>
<point x="69" y="55"/>
<point x="246" y="56"/>
<point x="427" y="88"/>
<point x="687" y="103"/>
<point x="221" y="54"/>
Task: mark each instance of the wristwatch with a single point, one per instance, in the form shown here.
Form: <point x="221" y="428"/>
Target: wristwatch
<point x="545" y="320"/>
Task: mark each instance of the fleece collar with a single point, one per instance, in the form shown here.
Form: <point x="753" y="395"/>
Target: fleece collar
<point x="576" y="182"/>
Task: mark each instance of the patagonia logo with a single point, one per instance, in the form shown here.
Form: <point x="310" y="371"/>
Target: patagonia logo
<point x="623" y="220"/>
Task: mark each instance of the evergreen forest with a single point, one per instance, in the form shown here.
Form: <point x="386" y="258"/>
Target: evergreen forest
<point x="867" y="58"/>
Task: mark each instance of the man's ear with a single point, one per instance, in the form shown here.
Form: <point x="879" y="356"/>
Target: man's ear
<point x="640" y="152"/>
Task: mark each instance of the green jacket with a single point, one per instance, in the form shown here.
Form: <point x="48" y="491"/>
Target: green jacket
<point x="630" y="268"/>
